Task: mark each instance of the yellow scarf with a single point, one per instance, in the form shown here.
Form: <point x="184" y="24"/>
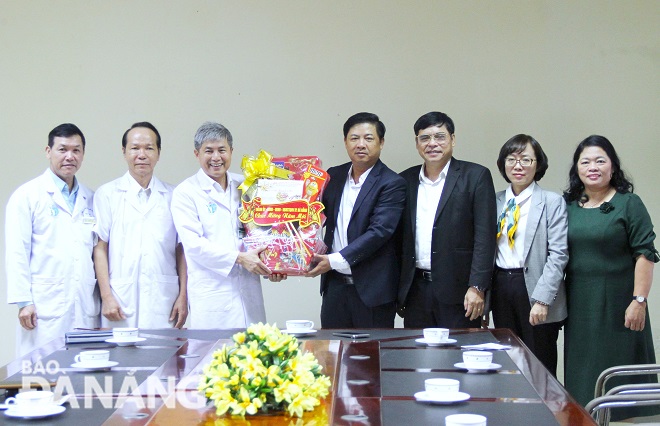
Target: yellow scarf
<point x="508" y="221"/>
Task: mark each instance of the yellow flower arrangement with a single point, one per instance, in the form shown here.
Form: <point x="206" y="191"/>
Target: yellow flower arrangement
<point x="264" y="370"/>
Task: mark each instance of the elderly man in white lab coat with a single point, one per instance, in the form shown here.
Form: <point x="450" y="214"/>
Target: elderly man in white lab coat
<point x="224" y="289"/>
<point x="140" y="266"/>
<point x="49" y="241"/>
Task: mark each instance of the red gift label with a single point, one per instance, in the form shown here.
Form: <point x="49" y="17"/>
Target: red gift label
<point x="292" y="211"/>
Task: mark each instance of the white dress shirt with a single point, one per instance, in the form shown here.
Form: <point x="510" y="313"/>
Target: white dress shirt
<point x="508" y="258"/>
<point x="144" y="194"/>
<point x="428" y="199"/>
<point x="340" y="240"/>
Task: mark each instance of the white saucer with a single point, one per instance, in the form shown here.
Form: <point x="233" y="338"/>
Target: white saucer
<point x="37" y="412"/>
<point x="492" y="366"/>
<point x="126" y="342"/>
<point x="449" y="398"/>
<point x="94" y="365"/>
<point x="446" y="342"/>
<point x="300" y="332"/>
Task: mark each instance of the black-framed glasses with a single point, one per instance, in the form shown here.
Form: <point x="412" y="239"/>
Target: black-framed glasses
<point x="524" y="162"/>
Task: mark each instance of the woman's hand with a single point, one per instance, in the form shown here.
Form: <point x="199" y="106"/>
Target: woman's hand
<point x="636" y="312"/>
<point x="636" y="316"/>
<point x="538" y="314"/>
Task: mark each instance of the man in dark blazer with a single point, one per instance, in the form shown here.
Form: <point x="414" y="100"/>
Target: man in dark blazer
<point x="363" y="204"/>
<point x="447" y="233"/>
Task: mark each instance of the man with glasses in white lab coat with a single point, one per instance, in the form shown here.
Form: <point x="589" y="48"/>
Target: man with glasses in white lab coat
<point x="224" y="286"/>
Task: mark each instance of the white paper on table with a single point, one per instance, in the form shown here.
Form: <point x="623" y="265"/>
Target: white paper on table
<point x="488" y="347"/>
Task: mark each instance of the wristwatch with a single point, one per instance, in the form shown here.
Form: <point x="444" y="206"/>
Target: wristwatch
<point x="640" y="299"/>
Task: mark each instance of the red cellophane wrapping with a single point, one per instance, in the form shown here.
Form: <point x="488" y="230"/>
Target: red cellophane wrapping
<point x="281" y="210"/>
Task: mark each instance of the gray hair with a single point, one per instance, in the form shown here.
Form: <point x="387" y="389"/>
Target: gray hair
<point x="211" y="131"/>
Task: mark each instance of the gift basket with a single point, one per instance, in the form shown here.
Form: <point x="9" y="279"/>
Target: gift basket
<point x="281" y="210"/>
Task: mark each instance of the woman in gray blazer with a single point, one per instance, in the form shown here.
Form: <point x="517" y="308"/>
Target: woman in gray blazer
<point x="528" y="294"/>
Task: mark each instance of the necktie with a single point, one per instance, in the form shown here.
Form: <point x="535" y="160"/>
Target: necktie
<point x="508" y="221"/>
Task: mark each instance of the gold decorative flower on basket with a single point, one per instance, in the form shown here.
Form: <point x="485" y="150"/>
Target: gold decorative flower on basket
<point x="263" y="371"/>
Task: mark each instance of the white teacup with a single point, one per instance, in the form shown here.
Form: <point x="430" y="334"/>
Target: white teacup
<point x="125" y="333"/>
<point x="465" y="420"/>
<point x="97" y="356"/>
<point x="477" y="359"/>
<point x="436" y="335"/>
<point x="299" y="325"/>
<point x="437" y="386"/>
<point x="31" y="399"/>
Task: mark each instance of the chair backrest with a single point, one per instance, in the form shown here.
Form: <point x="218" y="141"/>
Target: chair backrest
<point x="633" y="389"/>
<point x="641" y="394"/>
<point x="623" y="370"/>
<point x="599" y="408"/>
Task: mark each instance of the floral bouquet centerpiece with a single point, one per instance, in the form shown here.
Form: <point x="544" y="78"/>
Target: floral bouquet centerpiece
<point x="263" y="371"/>
<point x="281" y="210"/>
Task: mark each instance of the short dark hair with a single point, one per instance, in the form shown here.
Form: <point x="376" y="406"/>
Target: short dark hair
<point x="434" y="118"/>
<point x="619" y="180"/>
<point x="365" y="117"/>
<point x="517" y="144"/>
<point x="65" y="130"/>
<point x="146" y="125"/>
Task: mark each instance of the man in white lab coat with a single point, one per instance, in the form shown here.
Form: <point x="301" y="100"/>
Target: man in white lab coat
<point x="49" y="240"/>
<point x="140" y="266"/>
<point x="224" y="289"/>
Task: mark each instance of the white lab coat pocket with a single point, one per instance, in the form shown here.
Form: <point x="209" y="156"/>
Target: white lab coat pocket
<point x="49" y="296"/>
<point x="125" y="293"/>
<point x="168" y="285"/>
<point x="165" y="293"/>
<point x="209" y="295"/>
<point x="90" y="298"/>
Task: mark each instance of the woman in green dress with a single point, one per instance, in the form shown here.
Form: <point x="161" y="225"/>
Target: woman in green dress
<point x="609" y="274"/>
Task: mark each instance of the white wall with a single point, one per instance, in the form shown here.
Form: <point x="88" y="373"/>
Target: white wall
<point x="285" y="75"/>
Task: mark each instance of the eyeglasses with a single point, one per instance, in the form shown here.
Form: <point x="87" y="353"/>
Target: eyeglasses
<point x="524" y="162"/>
<point x="441" y="138"/>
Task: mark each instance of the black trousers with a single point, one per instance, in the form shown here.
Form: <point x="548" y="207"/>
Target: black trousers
<point x="343" y="308"/>
<point x="425" y="309"/>
<point x="511" y="306"/>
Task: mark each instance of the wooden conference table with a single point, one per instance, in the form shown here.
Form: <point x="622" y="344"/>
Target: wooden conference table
<point x="373" y="381"/>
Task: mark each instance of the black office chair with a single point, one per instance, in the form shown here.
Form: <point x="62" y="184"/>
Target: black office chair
<point x="642" y="394"/>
